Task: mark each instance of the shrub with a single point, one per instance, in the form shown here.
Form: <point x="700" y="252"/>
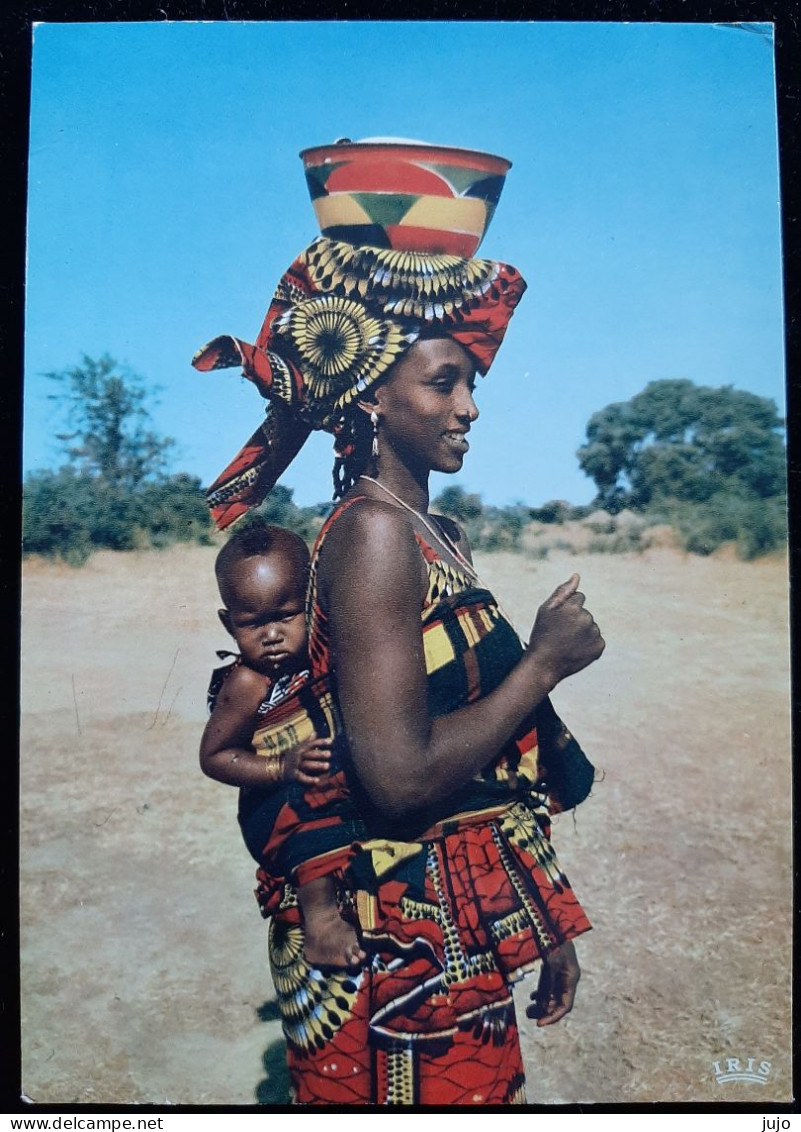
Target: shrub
<point x="765" y="529"/>
<point x="502" y="529"/>
<point x="756" y="526"/>
<point x="173" y="510"/>
<point x="68" y="514"/>
<point x="630" y="539"/>
<point x="458" y="504"/>
<point x="279" y="508"/>
<point x="604" y="527"/>
<point x="555" y="511"/>
<point x="57" y="509"/>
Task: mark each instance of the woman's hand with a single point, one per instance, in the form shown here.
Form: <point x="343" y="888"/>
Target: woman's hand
<point x="307" y="762"/>
<point x="556" y="991"/>
<point x="565" y="638"/>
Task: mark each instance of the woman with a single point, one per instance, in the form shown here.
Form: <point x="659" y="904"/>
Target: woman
<point x="454" y="884"/>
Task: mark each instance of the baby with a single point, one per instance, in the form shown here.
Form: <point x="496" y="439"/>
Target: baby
<point x="262" y="573"/>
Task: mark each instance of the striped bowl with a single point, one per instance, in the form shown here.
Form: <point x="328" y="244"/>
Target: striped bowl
<point x="405" y="195"/>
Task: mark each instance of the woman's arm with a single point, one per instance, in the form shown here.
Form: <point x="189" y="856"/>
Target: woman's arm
<point x="226" y="750"/>
<point x="370" y="578"/>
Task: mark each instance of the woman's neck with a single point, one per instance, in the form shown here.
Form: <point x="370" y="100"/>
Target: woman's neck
<point x="407" y="484"/>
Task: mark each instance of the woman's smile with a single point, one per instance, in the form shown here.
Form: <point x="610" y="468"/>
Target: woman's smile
<point x="457" y="440"/>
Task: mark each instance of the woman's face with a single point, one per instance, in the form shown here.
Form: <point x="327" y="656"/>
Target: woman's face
<point x="426" y="406"/>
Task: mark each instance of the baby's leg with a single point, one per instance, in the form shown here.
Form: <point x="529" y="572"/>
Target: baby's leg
<point x="330" y="941"/>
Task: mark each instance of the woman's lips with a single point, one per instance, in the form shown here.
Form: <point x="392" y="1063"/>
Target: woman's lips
<point x="456" y="440"/>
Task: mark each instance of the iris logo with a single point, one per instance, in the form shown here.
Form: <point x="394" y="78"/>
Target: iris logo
<point x="734" y="1069"/>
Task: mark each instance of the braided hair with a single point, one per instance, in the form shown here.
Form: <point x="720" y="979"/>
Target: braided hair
<point x="354" y="437"/>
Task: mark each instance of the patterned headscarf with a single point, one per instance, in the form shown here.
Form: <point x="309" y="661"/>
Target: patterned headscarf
<point x="341" y="317"/>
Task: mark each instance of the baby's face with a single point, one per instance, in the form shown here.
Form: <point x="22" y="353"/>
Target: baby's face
<point x="266" y="614"/>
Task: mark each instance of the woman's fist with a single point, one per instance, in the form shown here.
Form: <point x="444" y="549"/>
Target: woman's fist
<point x="565" y="638"/>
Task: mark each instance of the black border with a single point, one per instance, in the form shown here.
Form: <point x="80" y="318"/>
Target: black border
<point x="16" y="27"/>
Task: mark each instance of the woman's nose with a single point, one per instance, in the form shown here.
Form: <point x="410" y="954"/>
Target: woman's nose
<point x="467" y="409"/>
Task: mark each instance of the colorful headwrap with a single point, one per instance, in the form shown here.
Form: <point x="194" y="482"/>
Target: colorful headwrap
<point x="341" y="316"/>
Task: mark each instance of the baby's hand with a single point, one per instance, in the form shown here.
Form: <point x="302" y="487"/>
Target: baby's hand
<point x="307" y="762"/>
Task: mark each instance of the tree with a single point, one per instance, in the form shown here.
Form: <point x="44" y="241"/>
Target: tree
<point x="105" y="410"/>
<point x="114" y="491"/>
<point x="458" y="504"/>
<point x="280" y="509"/>
<point x="684" y="442"/>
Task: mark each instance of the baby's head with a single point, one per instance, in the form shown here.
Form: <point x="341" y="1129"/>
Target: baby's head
<point x="262" y="572"/>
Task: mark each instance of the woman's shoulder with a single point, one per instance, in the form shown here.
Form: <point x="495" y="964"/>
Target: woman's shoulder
<point x="364" y="522"/>
<point x="370" y="538"/>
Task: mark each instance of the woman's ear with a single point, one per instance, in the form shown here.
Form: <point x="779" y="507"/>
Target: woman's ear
<point x="368" y="405"/>
<point x="225" y="617"/>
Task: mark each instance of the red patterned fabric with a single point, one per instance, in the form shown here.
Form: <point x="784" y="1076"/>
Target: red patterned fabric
<point x="451" y="917"/>
<point x="340" y="318"/>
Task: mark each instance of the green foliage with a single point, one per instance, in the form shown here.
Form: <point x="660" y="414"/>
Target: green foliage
<point x="711" y="462"/>
<point x="756" y="526"/>
<point x="280" y="509"/>
<point x="69" y="514"/>
<point x="57" y="510"/>
<point x="173" y="509"/>
<point x="558" y="511"/>
<point x="624" y="540"/>
<point x="555" y="511"/>
<point x="109" y="438"/>
<point x="113" y="493"/>
<point x="487" y="528"/>
<point x="680" y="441"/>
<point x="501" y="529"/>
<point x="455" y="502"/>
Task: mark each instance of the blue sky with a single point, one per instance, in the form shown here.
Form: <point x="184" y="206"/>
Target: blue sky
<point x="167" y="197"/>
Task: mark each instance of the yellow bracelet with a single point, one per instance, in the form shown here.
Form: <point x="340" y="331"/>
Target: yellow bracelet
<point x="273" y="767"/>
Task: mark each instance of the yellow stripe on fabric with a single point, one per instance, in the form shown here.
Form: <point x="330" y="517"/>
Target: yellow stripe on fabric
<point x="529" y="764"/>
<point x="282" y="737"/>
<point x="279" y="740"/>
<point x="461" y="214"/>
<point x="487" y="619"/>
<point x="468" y="627"/>
<point x="437" y="648"/>
<point x="464" y="819"/>
<point x="339" y="208"/>
<point x="281" y="734"/>
<point x="387" y="855"/>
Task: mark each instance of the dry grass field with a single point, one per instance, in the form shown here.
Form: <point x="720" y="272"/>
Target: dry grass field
<point x="144" y="971"/>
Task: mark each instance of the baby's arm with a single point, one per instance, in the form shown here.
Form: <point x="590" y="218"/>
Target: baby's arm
<point x="226" y="750"/>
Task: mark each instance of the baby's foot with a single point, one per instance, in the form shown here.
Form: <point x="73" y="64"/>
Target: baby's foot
<point x="331" y="942"/>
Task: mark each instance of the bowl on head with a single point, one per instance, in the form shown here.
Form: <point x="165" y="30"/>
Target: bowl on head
<point x="406" y="195"/>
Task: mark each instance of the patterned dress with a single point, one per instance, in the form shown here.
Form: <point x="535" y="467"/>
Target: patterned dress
<point x="452" y="912"/>
<point x="258" y="805"/>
